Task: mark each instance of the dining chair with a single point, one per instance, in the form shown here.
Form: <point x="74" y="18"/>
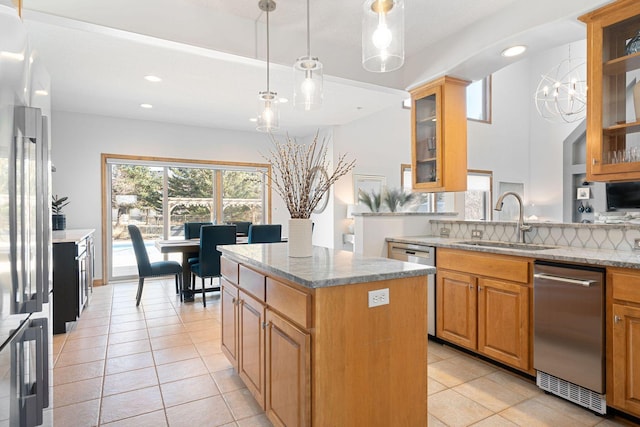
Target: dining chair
<point x="265" y="233"/>
<point x="152" y="269"/>
<point x="192" y="231"/>
<point x="208" y="264"/>
<point x="242" y="227"/>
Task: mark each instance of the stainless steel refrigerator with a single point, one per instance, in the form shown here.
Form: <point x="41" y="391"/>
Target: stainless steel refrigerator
<point x="25" y="229"/>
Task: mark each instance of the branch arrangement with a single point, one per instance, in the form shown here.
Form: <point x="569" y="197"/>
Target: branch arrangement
<point x="300" y="179"/>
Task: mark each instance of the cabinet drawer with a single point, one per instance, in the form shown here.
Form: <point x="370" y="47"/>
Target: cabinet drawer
<point x="514" y="269"/>
<point x="294" y="304"/>
<point x="626" y="287"/>
<point x="252" y="282"/>
<point x="229" y="270"/>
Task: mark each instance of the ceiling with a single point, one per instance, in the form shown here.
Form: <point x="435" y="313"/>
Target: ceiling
<point x="211" y="53"/>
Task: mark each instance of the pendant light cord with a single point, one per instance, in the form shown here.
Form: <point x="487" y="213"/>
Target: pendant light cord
<point x="268" y="50"/>
<point x="308" y="36"/>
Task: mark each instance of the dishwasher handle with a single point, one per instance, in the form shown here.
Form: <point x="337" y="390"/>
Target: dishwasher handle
<point x="544" y="276"/>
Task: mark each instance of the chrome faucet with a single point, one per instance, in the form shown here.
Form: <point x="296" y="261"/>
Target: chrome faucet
<point x="522" y="227"/>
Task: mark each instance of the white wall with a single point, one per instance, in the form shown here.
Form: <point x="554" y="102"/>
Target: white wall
<point x="78" y="140"/>
<point x="379" y="143"/>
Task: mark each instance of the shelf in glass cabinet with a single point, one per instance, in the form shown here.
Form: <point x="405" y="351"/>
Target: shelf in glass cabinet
<point x="426" y="160"/>
<point x="621" y="65"/>
<point x="622" y="129"/>
<point x="426" y="120"/>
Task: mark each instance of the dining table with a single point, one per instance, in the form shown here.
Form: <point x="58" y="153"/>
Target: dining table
<point x="189" y="248"/>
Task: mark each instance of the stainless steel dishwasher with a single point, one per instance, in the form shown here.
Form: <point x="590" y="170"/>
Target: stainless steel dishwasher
<point x="569" y="332"/>
<point x="425" y="255"/>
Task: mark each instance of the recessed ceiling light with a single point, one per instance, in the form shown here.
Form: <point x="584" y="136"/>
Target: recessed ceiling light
<point x="41" y="92"/>
<point x="253" y="119"/>
<point x="146" y="106"/>
<point x="283" y="100"/>
<point x="513" y="51"/>
<point x="153" y="79"/>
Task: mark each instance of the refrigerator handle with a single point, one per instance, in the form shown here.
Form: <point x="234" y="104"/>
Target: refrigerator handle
<point x="43" y="210"/>
<point x="33" y="396"/>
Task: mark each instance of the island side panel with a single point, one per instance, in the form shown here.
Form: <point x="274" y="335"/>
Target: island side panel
<point x="370" y="364"/>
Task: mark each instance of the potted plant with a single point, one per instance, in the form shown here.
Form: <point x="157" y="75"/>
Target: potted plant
<point x="58" y="219"/>
<point x="301" y="181"/>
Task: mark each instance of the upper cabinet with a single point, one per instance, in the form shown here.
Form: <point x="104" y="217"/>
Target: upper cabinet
<point x="613" y="126"/>
<point x="439" y="136"/>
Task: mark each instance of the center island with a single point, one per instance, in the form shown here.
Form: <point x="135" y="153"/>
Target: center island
<point x="335" y="339"/>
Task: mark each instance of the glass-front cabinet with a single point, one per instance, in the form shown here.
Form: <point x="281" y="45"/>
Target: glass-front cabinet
<point x="613" y="76"/>
<point x="439" y="135"/>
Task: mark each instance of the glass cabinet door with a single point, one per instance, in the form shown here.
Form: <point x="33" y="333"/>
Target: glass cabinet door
<point x="426" y="139"/>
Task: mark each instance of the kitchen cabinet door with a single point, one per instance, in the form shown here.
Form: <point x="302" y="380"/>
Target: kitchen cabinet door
<point x="251" y="345"/>
<point x="626" y="358"/>
<point x="288" y="372"/>
<point x="503" y="321"/>
<point x="229" y="339"/>
<point x="456" y="308"/>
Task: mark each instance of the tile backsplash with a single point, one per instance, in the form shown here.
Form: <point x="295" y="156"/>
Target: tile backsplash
<point x="595" y="236"/>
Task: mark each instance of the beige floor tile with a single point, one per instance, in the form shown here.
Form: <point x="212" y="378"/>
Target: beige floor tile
<point x="163" y="321"/>
<point x="216" y="362"/>
<point x="260" y="420"/>
<point x="208" y="412"/>
<point x="206" y="348"/>
<point x="128" y="309"/>
<point x="495" y="421"/>
<point x="129" y="380"/>
<point x="127" y="348"/>
<point x="442" y="351"/>
<point x="515" y="383"/>
<point x="116" y="365"/>
<point x="160" y="313"/>
<point x="454" y="410"/>
<point x="451" y="372"/>
<point x="76" y="392"/>
<point x="92" y="323"/>
<point x="242" y="403"/>
<point x="152" y="419"/>
<point x="83" y="371"/>
<point x="88" y="332"/>
<point x="127" y="326"/>
<point x="434" y="422"/>
<point x="82" y="343"/>
<point x="92" y="313"/>
<point x="167" y="341"/>
<point x="532" y="413"/>
<point x="174" y="354"/>
<point x="227" y="380"/>
<point x="130" y="404"/>
<point x="199" y="325"/>
<point x="84" y="414"/>
<point x="81" y="356"/>
<point x="127" y="336"/>
<point x="489" y="394"/>
<point x="181" y="370"/>
<point x="572" y="410"/>
<point x="188" y="390"/>
<point x="434" y="386"/>
<point x="205" y="335"/>
<point x="171" y="329"/>
<point x="124" y="318"/>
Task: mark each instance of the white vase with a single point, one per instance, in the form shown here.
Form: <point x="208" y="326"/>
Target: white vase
<point x="300" y="244"/>
<point x="636" y="99"/>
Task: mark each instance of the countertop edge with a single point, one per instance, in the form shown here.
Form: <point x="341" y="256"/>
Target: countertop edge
<point x="589" y="256"/>
<point x="71" y="235"/>
<point x="413" y="270"/>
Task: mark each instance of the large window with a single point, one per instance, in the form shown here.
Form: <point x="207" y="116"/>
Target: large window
<point x="479" y="100"/>
<point x="478" y="198"/>
<point x="159" y="196"/>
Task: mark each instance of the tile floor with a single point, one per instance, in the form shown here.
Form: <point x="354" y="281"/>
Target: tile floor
<point x="160" y="365"/>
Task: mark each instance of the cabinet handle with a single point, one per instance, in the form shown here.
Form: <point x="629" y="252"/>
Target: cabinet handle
<point x="616" y="319"/>
<point x="234" y="301"/>
<point x="479" y="288"/>
<point x="264" y="325"/>
<point x="471" y="287"/>
<point x="594" y="161"/>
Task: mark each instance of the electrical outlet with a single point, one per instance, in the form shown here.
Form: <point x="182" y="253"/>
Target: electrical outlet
<point x="378" y="297"/>
<point x="444" y="232"/>
<point x="636" y="245"/>
<point x="476" y="234"/>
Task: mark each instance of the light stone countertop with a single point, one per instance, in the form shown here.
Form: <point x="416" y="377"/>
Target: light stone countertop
<point x="327" y="267"/>
<point x="599" y="257"/>
<point x="71" y="235"/>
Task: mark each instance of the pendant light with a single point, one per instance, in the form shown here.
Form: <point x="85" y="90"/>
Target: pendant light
<point x="383" y="35"/>
<point x="269" y="116"/>
<point x="307" y="72"/>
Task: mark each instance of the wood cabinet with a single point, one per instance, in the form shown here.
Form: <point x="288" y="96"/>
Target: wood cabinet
<point x="439" y="136"/>
<point x="613" y="129"/>
<point x="322" y="356"/>
<point x="73" y="262"/>
<point x="623" y="336"/>
<point x="483" y="304"/>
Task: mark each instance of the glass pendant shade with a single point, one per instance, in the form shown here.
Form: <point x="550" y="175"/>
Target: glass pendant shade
<point x="269" y="113"/>
<point x="382" y="35"/>
<point x="307" y="89"/>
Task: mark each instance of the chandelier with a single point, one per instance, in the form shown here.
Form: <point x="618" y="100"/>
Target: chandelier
<point x="307" y="70"/>
<point x="561" y="96"/>
<point x="269" y="117"/>
<point x="383" y="35"/>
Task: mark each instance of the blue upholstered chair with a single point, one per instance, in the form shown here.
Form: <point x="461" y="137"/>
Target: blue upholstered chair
<point x="208" y="264"/>
<point x="242" y="227"/>
<point x="265" y="233"/>
<point x="192" y="231"/>
<point x="152" y="269"/>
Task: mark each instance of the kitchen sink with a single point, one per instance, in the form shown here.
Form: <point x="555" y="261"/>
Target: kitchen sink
<point x="507" y="245"/>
